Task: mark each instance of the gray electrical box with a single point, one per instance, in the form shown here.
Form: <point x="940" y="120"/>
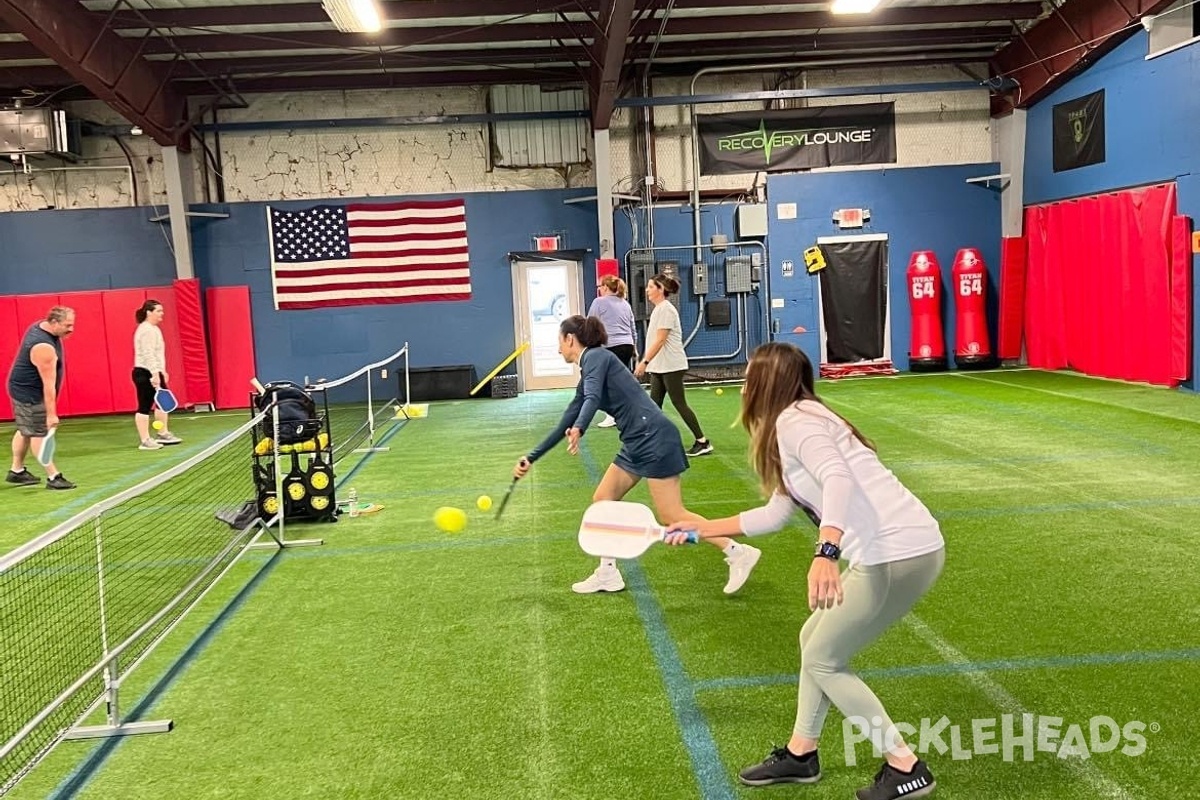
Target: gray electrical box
<point x="699" y="279"/>
<point x="641" y="270"/>
<point x="737" y="274"/>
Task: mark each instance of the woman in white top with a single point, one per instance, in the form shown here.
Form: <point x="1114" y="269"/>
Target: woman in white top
<point x="809" y="458"/>
<point x="665" y="359"/>
<point x="149" y="375"/>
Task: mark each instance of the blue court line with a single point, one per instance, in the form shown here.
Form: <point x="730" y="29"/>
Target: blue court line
<point x="80" y="776"/>
<point x="689" y="717"/>
<point x="942" y="668"/>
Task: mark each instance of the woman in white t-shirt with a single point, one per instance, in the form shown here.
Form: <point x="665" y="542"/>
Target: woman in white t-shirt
<point x="809" y="458"/>
<point x="665" y="359"/>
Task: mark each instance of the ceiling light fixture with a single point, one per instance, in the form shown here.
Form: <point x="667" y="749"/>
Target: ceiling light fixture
<point x="854" y="6"/>
<point x="354" y="16"/>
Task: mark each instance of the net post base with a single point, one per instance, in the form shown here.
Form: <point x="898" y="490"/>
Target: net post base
<point x="124" y="729"/>
<point x="286" y="543"/>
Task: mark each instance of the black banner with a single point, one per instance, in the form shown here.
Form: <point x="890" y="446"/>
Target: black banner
<point x="795" y="139"/>
<point x="1079" y="132"/>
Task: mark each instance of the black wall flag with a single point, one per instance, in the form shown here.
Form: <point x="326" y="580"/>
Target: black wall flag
<point x="796" y="139"/>
<point x="1079" y="132"/>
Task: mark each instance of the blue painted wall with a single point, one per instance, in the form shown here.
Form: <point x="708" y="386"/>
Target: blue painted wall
<point x="920" y="208"/>
<point x="61" y="251"/>
<point x="673" y="231"/>
<point x="1152" y="116"/>
<point x="332" y="342"/>
<point x="49" y="251"/>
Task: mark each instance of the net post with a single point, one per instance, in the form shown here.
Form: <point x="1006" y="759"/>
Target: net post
<point x="371" y="446"/>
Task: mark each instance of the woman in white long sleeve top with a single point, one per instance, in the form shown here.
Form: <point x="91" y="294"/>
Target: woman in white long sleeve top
<point x="811" y="459"/>
<point x="149" y="375"/>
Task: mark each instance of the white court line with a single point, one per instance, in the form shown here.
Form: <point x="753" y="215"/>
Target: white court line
<point x="999" y="696"/>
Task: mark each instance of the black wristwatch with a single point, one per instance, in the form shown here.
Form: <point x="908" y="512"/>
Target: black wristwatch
<point x="828" y="550"/>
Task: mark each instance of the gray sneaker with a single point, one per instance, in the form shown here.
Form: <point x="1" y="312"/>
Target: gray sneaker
<point x="22" y="478"/>
<point x="59" y="481"/>
<point x="892" y="784"/>
<point x="783" y="767"/>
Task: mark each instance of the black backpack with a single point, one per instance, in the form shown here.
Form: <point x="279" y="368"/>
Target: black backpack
<point x="298" y="420"/>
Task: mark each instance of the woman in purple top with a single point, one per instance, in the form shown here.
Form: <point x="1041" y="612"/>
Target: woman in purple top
<point x="611" y="307"/>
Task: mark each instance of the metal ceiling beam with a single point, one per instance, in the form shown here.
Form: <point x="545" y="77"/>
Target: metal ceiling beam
<point x="389" y="80"/>
<point x="310" y="12"/>
<point x="609" y="53"/>
<point x="110" y="66"/>
<point x="1058" y="47"/>
<point x="915" y="16"/>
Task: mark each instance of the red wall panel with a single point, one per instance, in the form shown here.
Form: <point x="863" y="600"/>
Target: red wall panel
<point x="86" y="382"/>
<point x="119" y="306"/>
<point x="11" y="330"/>
<point x="231" y="345"/>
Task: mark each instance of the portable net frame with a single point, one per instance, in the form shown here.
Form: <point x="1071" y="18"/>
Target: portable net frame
<point x="357" y="406"/>
<point x="84" y="604"/>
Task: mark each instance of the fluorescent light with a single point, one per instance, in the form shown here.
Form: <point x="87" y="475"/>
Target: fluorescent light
<point x="354" y="16"/>
<point x="854" y="6"/>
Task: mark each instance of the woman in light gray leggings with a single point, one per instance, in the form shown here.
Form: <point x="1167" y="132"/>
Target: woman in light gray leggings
<point x="811" y="459"/>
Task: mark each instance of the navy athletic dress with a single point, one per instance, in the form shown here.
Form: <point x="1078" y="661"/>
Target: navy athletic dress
<point x="651" y="446"/>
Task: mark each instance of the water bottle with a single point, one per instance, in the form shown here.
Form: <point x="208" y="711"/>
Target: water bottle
<point x="352" y="498"/>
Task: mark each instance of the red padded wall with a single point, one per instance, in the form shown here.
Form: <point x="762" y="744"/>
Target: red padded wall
<point x="87" y="388"/>
<point x="176" y="369"/>
<point x="1012" y="297"/>
<point x="10" y="338"/>
<point x="119" y="306"/>
<point x="231" y="345"/>
<point x="1181" y="297"/>
<point x="193" y="360"/>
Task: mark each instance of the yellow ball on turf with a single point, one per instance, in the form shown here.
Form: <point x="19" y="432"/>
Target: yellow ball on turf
<point x="156" y="425"/>
<point x="720" y="390"/>
<point x="449" y="519"/>
<point x="484" y="502"/>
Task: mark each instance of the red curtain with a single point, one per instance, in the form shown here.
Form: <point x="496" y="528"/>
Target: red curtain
<point x="1099" y="293"/>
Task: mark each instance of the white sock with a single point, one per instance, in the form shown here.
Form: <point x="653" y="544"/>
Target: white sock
<point x="605" y="563"/>
<point x="732" y="549"/>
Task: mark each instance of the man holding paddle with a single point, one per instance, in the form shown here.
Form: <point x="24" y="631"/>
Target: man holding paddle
<point x="33" y="385"/>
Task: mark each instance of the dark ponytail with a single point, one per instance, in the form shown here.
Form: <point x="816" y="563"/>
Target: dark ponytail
<point x="668" y="284"/>
<point x="589" y="331"/>
<point x="146" y="308"/>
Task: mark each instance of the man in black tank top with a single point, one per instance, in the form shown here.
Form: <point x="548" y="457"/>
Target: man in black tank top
<point x="33" y="386"/>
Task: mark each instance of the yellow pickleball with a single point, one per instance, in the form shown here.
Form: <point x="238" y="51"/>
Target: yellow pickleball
<point x="450" y="519"/>
<point x="719" y="390"/>
<point x="156" y="425"/>
<point x="483" y="503"/>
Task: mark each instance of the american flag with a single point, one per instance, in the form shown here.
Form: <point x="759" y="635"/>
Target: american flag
<point x="369" y="253"/>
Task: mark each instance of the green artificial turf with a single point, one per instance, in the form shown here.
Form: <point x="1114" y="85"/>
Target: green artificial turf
<point x="398" y="661"/>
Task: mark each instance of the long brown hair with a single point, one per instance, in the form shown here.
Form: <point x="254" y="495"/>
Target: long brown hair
<point x="777" y="376"/>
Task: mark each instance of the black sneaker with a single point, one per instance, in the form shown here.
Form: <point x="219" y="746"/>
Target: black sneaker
<point x="701" y="448"/>
<point x="783" y="767"/>
<point x="23" y="478"/>
<point x="891" y="784"/>
<point x="59" y="481"/>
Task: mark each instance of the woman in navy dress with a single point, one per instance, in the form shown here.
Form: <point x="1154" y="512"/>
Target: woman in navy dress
<point x="651" y="447"/>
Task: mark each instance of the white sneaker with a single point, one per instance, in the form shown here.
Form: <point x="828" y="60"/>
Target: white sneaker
<point x="607" y="422"/>
<point x="740" y="566"/>
<point x="168" y="438"/>
<point x="149" y="444"/>
<point x="604" y="579"/>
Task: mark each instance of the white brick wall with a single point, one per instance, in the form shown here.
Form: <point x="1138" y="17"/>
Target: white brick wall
<point x="947" y="128"/>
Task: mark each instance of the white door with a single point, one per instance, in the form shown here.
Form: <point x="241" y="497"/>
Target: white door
<point x="544" y="294"/>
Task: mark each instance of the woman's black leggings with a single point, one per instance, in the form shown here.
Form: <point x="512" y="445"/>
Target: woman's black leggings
<point x="671" y="383"/>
